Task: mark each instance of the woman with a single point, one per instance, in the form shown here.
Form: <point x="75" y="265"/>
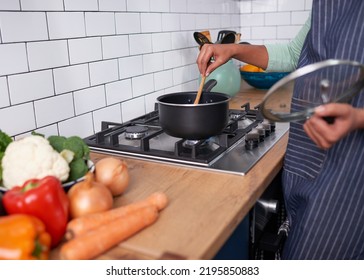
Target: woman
<point x="323" y="175"/>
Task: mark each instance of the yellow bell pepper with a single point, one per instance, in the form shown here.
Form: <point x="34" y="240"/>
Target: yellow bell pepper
<point x="23" y="237"/>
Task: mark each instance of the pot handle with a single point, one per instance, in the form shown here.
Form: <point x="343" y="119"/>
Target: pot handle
<point x="208" y="86"/>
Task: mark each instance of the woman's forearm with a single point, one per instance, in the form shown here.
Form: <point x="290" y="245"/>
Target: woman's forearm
<point x="251" y="54"/>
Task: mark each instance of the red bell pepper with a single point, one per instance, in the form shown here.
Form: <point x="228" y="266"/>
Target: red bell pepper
<point x="43" y="198"/>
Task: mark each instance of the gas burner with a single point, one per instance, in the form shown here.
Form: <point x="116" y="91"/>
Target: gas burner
<point x="236" y="116"/>
<point x="135" y="132"/>
<point x="190" y="143"/>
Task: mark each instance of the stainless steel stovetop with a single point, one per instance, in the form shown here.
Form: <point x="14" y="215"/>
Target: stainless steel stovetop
<point x="245" y="140"/>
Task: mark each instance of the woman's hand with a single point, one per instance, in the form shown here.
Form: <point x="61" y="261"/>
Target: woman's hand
<point x="252" y="54"/>
<point x="220" y="53"/>
<point x="324" y="134"/>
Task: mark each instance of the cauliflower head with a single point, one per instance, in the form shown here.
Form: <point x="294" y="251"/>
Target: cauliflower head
<point x="29" y="158"/>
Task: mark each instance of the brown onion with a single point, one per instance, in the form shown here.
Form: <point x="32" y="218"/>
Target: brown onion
<point x="89" y="196"/>
<point x="113" y="173"/>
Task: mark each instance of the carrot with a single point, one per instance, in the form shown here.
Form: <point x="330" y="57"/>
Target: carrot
<point x="104" y="237"/>
<point x="83" y="224"/>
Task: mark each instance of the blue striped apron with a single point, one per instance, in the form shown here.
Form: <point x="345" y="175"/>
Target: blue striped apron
<point x="324" y="189"/>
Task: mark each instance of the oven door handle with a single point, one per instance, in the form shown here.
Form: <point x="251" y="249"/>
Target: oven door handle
<point x="269" y="205"/>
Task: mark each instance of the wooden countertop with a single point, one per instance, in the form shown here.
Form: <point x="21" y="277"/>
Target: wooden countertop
<point x="205" y="207"/>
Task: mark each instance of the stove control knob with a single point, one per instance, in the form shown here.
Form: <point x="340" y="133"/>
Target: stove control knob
<point x="251" y="140"/>
<point x="261" y="132"/>
<point x="267" y="128"/>
<point x="272" y="125"/>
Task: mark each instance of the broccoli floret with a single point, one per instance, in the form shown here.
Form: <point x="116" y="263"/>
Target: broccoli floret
<point x="57" y="142"/>
<point x="78" y="169"/>
<point x="75" y="151"/>
<point x="76" y="145"/>
<point x="86" y="151"/>
<point x="5" y="140"/>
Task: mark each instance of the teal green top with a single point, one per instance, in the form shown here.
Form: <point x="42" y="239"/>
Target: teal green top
<point x="284" y="57"/>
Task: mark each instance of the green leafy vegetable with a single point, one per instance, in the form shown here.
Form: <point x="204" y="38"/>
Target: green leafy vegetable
<point x="5" y="140"/>
<point x="81" y="153"/>
<point x="57" y="142"/>
<point x="78" y="169"/>
<point x="73" y="143"/>
<point x="76" y="145"/>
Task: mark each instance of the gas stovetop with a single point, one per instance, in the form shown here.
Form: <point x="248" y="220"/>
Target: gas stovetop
<point x="246" y="138"/>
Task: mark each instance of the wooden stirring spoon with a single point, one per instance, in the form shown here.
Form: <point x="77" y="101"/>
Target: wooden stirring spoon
<point x="198" y="97"/>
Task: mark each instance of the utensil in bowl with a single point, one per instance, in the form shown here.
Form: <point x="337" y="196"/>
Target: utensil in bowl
<point x="199" y="92"/>
<point x="224" y="33"/>
<point x="229" y="38"/>
<point x="201" y="39"/>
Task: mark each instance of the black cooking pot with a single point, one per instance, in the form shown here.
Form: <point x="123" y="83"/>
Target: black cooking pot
<point x="179" y="117"/>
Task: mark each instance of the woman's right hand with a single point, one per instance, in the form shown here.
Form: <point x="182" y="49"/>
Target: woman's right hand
<point x="220" y="53"/>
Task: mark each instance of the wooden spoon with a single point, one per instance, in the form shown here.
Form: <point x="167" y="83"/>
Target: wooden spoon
<point x="197" y="100"/>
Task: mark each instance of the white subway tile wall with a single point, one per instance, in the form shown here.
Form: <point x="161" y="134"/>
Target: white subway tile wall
<point x="118" y="92"/>
<point x="23" y="26"/>
<point x="54" y="109"/>
<point x="65" y="25"/>
<point x="103" y="72"/>
<point x="67" y="65"/>
<point x="112" y="5"/>
<point x="130" y="66"/>
<point x="95" y="97"/>
<point x="34" y="5"/>
<point x="13" y="58"/>
<point x="30" y="86"/>
<point x="85" y="50"/>
<point x="80" y="5"/>
<point x="272" y="21"/>
<point x="4" y="95"/>
<point x="47" y="54"/>
<point x="67" y="79"/>
<point x="9" y="5"/>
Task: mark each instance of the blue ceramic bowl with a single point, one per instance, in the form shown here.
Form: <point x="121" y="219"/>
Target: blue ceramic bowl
<point x="262" y="80"/>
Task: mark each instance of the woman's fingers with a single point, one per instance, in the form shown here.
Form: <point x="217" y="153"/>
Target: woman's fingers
<point x="314" y="131"/>
<point x="324" y="134"/>
<point x="204" y="58"/>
